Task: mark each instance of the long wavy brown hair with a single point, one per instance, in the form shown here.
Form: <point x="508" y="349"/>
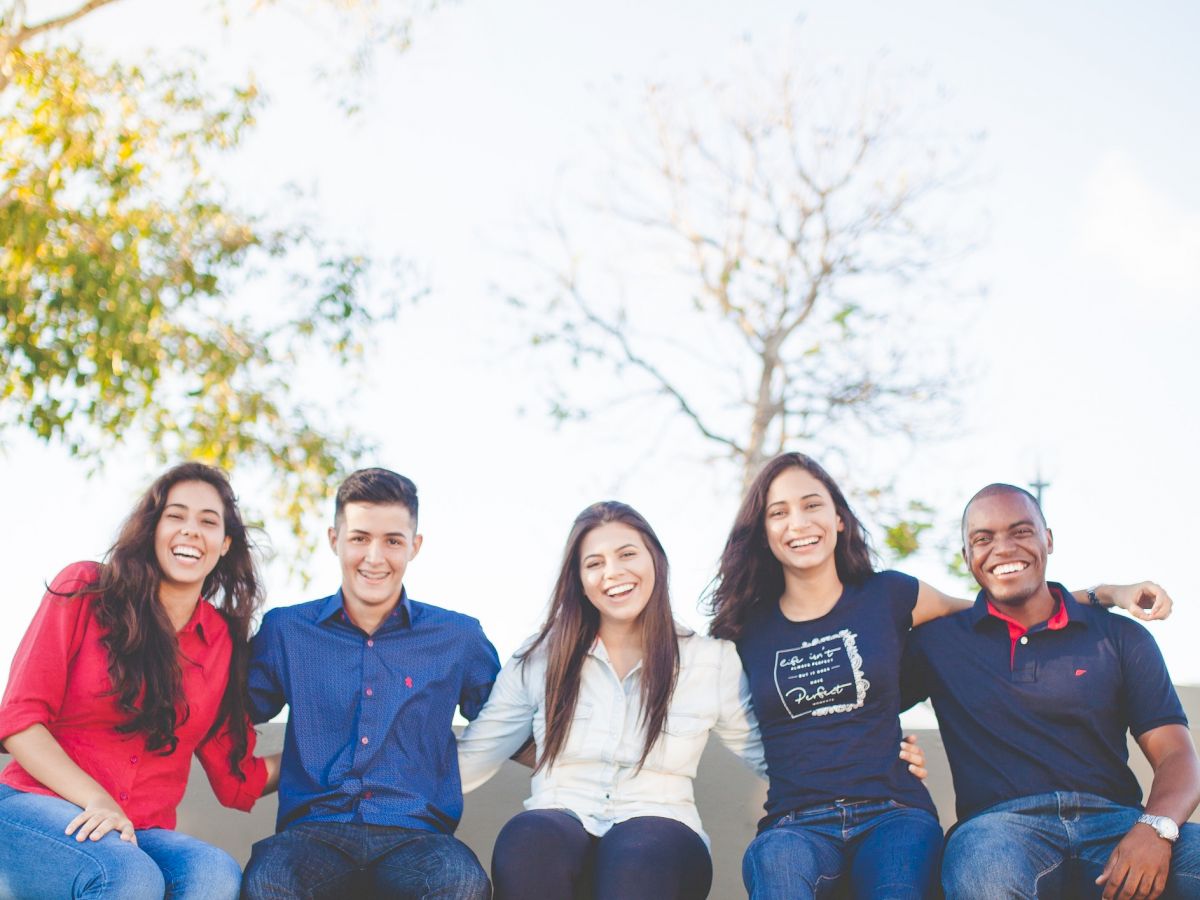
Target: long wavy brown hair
<point x="749" y="574"/>
<point x="573" y="623"/>
<point x="143" y="652"/>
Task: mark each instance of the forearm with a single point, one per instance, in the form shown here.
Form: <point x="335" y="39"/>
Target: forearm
<point x="1175" y="790"/>
<point x="272" y="763"/>
<point x="43" y="757"/>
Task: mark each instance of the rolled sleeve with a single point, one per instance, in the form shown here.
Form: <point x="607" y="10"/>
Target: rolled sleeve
<point x="503" y="725"/>
<point x="37" y="681"/>
<point x="231" y="790"/>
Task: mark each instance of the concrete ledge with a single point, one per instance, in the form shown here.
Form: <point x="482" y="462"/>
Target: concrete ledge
<point x="729" y="796"/>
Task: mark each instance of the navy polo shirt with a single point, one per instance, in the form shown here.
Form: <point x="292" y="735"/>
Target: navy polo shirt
<point x="368" y="733"/>
<point x="1045" y="711"/>
<point x="827" y="698"/>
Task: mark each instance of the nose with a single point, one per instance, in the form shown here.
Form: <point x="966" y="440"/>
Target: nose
<point x="374" y="551"/>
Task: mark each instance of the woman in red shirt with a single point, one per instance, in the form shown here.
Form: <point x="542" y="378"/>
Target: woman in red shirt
<point x="128" y="668"/>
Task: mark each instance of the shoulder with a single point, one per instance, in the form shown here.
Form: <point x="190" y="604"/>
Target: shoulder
<point x="699" y="648"/>
<point x="286" y="616"/>
<point x="891" y="582"/>
<point x="429" y="616"/>
<point x="78" y="576"/>
<point x="1118" y="627"/>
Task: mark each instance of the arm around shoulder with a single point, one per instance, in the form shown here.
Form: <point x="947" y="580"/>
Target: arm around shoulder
<point x="736" y="725"/>
<point x="501" y="728"/>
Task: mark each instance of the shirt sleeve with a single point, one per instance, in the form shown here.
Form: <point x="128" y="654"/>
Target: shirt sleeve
<point x="500" y="729"/>
<point x="265" y="686"/>
<point x="37" y="681"/>
<point x="480" y="667"/>
<point x="1147" y="692"/>
<point x="914" y="686"/>
<point x="902" y="590"/>
<point x="232" y="791"/>
<point x="736" y="724"/>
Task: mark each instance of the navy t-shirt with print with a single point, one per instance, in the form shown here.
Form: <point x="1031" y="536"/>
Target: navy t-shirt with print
<point x="827" y="696"/>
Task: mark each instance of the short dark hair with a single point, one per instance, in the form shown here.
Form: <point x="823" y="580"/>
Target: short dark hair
<point x="991" y="490"/>
<point x="376" y="486"/>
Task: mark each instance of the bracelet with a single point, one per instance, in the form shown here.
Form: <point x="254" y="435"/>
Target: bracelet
<point x="1091" y="595"/>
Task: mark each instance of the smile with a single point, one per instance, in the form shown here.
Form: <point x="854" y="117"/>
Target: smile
<point x="802" y="542"/>
<point x="619" y="590"/>
<point x="188" y="553"/>
<point x="1010" y="568"/>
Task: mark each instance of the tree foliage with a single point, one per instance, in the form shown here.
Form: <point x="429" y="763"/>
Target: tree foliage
<point x="132" y="289"/>
<point x="782" y="241"/>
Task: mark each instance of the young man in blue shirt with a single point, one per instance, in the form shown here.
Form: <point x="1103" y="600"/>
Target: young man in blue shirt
<point x="1034" y="693"/>
<point x="369" y="792"/>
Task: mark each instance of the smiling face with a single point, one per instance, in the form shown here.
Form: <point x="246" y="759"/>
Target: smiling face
<point x="1006" y="545"/>
<point x="617" y="571"/>
<point x="374" y="543"/>
<point x="190" y="539"/>
<point x="801" y="521"/>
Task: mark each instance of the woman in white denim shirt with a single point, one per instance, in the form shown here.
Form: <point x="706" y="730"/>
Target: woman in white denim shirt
<point x="636" y="697"/>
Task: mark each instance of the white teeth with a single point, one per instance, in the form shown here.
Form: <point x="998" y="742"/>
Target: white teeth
<point x="619" y="591"/>
<point x="803" y="542"/>
<point x="186" y="552"/>
<point x="1009" y="568"/>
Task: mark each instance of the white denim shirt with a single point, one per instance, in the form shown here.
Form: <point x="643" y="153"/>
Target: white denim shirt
<point x="595" y="776"/>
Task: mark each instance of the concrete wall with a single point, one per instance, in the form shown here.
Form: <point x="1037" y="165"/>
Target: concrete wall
<point x="729" y="796"/>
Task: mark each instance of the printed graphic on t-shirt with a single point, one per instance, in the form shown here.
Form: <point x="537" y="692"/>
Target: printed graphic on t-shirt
<point x="821" y="676"/>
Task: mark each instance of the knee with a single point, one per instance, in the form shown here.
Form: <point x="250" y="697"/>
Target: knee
<point x="214" y="874"/>
<point x="126" y="872"/>
<point x="782" y="862"/>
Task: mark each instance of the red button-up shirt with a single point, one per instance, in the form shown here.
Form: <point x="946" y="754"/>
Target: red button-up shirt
<point x="60" y="679"/>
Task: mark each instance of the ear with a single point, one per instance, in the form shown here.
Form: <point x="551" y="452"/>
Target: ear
<point x="417" y="541"/>
<point x="841" y="525"/>
<point x="226" y="545"/>
<point x="333" y="539"/>
<point x="1049" y="541"/>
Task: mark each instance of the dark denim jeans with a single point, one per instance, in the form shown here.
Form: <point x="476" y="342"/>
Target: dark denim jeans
<point x="871" y="849"/>
<point x="38" y="860"/>
<point x="1051" y="845"/>
<point x="351" y="859"/>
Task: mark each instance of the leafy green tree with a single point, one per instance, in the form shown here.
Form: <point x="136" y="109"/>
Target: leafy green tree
<point x="125" y="272"/>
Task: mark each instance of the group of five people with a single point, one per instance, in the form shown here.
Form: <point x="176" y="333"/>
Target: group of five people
<point x="133" y="665"/>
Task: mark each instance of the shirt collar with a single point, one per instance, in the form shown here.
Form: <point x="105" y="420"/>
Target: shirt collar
<point x="203" y="622"/>
<point x="1066" y="611"/>
<point x="401" y="615"/>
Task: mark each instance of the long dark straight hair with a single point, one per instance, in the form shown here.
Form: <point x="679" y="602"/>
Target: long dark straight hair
<point x="142" y="648"/>
<point x="750" y="575"/>
<point x="572" y="625"/>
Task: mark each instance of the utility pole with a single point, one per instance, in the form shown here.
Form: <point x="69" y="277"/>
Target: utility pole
<point x="1038" y="484"/>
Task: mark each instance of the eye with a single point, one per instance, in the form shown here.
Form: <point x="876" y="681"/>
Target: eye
<point x="980" y="539"/>
<point x="1023" y="532"/>
<point x="776" y="514"/>
<point x="172" y="515"/>
<point x="396" y="542"/>
<point x="816" y="504"/>
<point x="211" y="523"/>
<point x="591" y="564"/>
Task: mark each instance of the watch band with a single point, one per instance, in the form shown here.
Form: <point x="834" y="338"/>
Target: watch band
<point x="1164" y="826"/>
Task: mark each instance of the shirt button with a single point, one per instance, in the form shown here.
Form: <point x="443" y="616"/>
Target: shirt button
<point x="370" y="693"/>
<point x="366" y="740"/>
<point x="1024" y="640"/>
<point x="133" y="760"/>
<point x="366" y="795"/>
<point x="123" y="796"/>
<point x="370" y="643"/>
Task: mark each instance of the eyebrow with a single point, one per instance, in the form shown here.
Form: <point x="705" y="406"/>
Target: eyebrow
<point x="1008" y="527"/>
<point x="805" y="497"/>
<point x="402" y="534"/>
<point x="215" y="512"/>
<point x="617" y="550"/>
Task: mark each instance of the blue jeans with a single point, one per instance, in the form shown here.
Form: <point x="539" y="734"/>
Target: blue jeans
<point x="871" y="849"/>
<point x="353" y="859"/>
<point x="38" y="860"/>
<point x="1052" y="845"/>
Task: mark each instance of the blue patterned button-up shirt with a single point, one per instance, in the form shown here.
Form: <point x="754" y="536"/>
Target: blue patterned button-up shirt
<point x="368" y="733"/>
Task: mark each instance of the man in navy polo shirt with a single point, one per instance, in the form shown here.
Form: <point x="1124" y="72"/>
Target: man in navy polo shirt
<point x="369" y="791"/>
<point x="1034" y="693"/>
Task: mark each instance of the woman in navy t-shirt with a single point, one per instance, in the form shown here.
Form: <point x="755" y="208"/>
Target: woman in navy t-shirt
<point x="821" y="634"/>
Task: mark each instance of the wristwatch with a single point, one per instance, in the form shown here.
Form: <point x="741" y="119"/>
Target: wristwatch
<point x="1166" y="828"/>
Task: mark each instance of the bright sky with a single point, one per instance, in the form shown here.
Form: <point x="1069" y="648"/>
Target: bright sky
<point x="1084" y="348"/>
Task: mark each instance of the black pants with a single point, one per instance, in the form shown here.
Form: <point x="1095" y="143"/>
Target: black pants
<point x="546" y="854"/>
